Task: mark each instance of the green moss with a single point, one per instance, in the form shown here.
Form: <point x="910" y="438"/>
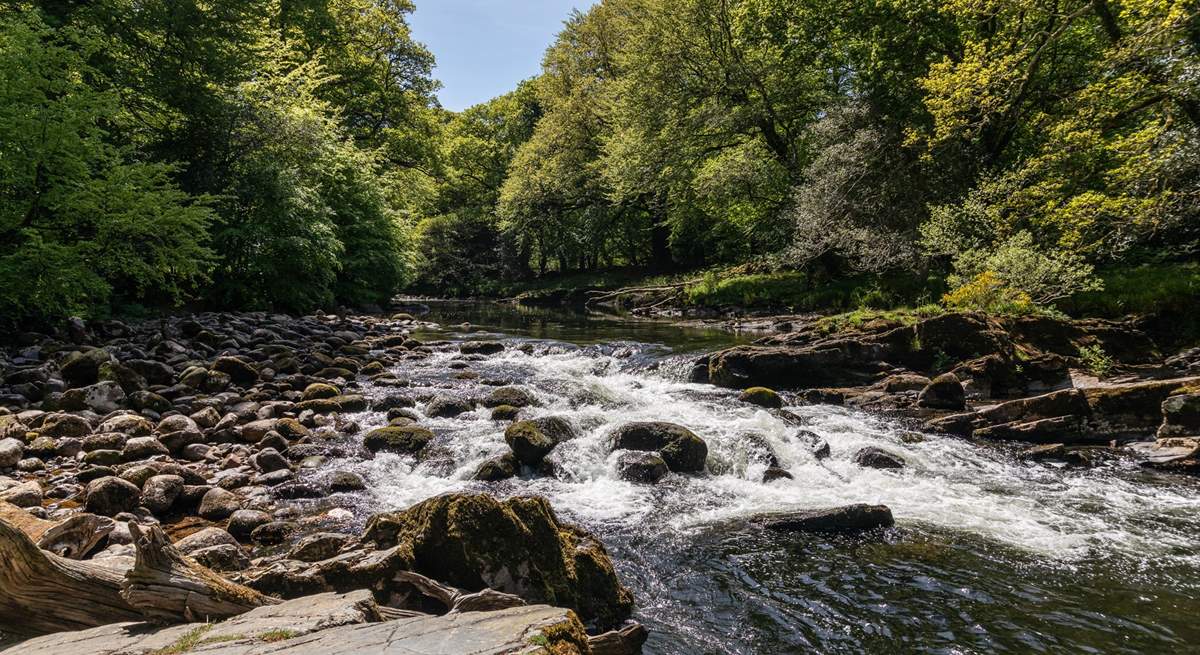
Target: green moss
<point x="186" y="642"/>
<point x="761" y="396"/>
<point x="408" y="439"/>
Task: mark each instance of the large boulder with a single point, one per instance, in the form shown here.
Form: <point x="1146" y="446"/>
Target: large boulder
<point x="511" y="396"/>
<point x="852" y="518"/>
<point x="517" y="546"/>
<point x="1181" y="416"/>
<point x="109" y="496"/>
<point x="239" y="370"/>
<point x="679" y="447"/>
<point x="404" y="439"/>
<point x="83" y="368"/>
<point x="532" y="440"/>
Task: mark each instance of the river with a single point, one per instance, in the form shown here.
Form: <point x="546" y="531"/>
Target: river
<point x="989" y="555"/>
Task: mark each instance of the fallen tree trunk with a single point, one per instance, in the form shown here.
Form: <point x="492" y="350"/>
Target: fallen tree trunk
<point x="71" y="538"/>
<point x="457" y="600"/>
<point x="168" y="587"/>
<point x="41" y="593"/>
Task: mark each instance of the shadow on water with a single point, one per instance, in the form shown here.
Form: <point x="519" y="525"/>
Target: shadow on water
<point x="991" y="555"/>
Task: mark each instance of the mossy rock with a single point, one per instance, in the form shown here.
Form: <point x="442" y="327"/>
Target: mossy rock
<point x="683" y="451"/>
<point x="518" y="546"/>
<point x="511" y="396"/>
<point x="319" y="391"/>
<point x="761" y="396"/>
<point x="291" y="429"/>
<point x="498" y="468"/>
<point x="531" y="441"/>
<point x="505" y="413"/>
<point x="405" y="439"/>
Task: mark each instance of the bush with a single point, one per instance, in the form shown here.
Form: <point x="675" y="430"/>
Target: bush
<point x="1017" y="276"/>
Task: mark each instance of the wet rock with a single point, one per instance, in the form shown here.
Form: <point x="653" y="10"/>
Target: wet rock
<point x="641" y="466"/>
<point x="775" y="473"/>
<point x="298" y="490"/>
<point x="682" y="450"/>
<point x="319" y="546"/>
<point x="446" y="407"/>
<point x="218" y="504"/>
<point x="42" y="448"/>
<point x="269" y="459"/>
<point x="140" y="448"/>
<point x="532" y="440"/>
<point x="240" y="372"/>
<point x="243" y="522"/>
<point x="501" y="467"/>
<point x="160" y="492"/>
<point x="346" y="481"/>
<point x="517" y="546"/>
<point x="1181" y="416"/>
<point x="407" y="439"/>
<point x="320" y="391"/>
<point x="849" y="519"/>
<point x="350" y="402"/>
<point x="481" y="347"/>
<point x="110" y="496"/>
<point x="1053" y="451"/>
<point x="505" y="413"/>
<point x="761" y="396"/>
<point x="877" y="458"/>
<point x="510" y="396"/>
<point x="275" y="532"/>
<point x="944" y="392"/>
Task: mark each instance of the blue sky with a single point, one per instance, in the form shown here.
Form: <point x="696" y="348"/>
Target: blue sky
<point x="484" y="47"/>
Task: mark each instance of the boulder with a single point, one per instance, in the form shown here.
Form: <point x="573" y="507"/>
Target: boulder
<point x="128" y="424"/>
<point x="446" y="407"/>
<point x="218" y="504"/>
<point x="83" y="368"/>
<point x="532" y="440"/>
<point x="320" y="391"/>
<point x="160" y="493"/>
<point x="877" y="458"/>
<point x="319" y="546"/>
<point x="206" y="538"/>
<point x="239" y="371"/>
<point x="140" y="448"/>
<point x="683" y="451"/>
<point x="501" y="467"/>
<point x="102" y="398"/>
<point x="510" y="396"/>
<point x="852" y="518"/>
<point x="26" y="494"/>
<point x="641" y="466"/>
<point x="244" y="521"/>
<point x="516" y="546"/>
<point x="1181" y="416"/>
<point x="505" y="413"/>
<point x="944" y="392"/>
<point x="761" y="396"/>
<point x="109" y="496"/>
<point x="481" y="347"/>
<point x="64" y="425"/>
<point x="405" y="439"/>
<point x="11" y="452"/>
<point x="346" y="481"/>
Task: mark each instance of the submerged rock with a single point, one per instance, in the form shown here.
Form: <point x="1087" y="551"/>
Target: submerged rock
<point x="852" y="518"/>
<point x="877" y="458"/>
<point x="404" y="439"/>
<point x="498" y="468"/>
<point x="761" y="396"/>
<point x="641" y="466"/>
<point x="517" y="546"/>
<point x="532" y="440"/>
<point x="683" y="451"/>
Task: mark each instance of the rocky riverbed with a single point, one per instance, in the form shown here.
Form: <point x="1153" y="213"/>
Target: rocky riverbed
<point x="554" y="465"/>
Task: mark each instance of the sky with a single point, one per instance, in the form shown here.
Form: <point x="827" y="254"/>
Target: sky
<point x="485" y="47"/>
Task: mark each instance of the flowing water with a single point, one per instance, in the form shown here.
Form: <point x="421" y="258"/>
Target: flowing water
<point x="989" y="554"/>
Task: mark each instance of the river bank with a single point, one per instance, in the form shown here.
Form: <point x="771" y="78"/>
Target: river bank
<point x="704" y="576"/>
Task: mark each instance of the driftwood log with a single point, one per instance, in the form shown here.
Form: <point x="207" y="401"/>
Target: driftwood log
<point x="71" y="538"/>
<point x="457" y="600"/>
<point x="41" y="593"/>
<point x="625" y="641"/>
<point x="171" y="588"/>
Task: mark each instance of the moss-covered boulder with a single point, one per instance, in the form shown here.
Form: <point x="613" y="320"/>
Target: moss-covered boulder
<point x="761" y="396"/>
<point x="518" y="546"/>
<point x="319" y="391"/>
<point x="681" y="449"/>
<point x="505" y="413"/>
<point x="511" y="396"/>
<point x="531" y="441"/>
<point x="404" y="439"/>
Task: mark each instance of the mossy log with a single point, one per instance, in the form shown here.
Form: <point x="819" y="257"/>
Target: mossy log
<point x="71" y="538"/>
<point x="41" y="593"/>
<point x="171" y="588"/>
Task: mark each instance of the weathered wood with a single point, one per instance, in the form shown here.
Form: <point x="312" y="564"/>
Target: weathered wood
<point x="72" y="537"/>
<point x="171" y="588"/>
<point x="626" y="641"/>
<point x="457" y="600"/>
<point x="41" y="593"/>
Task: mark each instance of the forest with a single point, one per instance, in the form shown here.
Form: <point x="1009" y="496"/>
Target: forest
<point x="291" y="155"/>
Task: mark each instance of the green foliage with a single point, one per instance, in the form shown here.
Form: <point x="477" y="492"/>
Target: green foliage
<point x="1017" y="276"/>
<point x="1097" y="362"/>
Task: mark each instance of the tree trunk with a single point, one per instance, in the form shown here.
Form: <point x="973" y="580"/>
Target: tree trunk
<point x="71" y="538"/>
<point x="168" y="587"/>
<point x="457" y="600"/>
<point x="41" y="593"/>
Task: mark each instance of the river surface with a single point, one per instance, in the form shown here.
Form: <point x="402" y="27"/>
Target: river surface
<point x="990" y="555"/>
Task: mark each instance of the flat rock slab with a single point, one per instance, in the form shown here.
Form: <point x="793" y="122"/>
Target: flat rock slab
<point x="851" y="518"/>
<point x="320" y="625"/>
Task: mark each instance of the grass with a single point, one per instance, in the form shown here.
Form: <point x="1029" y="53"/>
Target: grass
<point x="186" y="642"/>
<point x="195" y="637"/>
<point x="273" y="636"/>
<point x="1149" y="289"/>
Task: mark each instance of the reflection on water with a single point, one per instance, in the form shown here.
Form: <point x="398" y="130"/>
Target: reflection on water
<point x="990" y="554"/>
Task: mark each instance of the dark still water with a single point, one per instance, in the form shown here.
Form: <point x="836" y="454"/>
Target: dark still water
<point x="990" y="554"/>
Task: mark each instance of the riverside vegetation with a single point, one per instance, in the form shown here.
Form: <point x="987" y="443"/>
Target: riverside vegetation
<point x="967" y="228"/>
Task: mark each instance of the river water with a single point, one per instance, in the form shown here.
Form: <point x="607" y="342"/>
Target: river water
<point x="989" y="554"/>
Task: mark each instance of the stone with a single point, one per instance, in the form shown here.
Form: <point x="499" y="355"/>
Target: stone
<point x="641" y="466"/>
<point x="849" y="519"/>
<point x="109" y="496"/>
<point x="320" y="391"/>
<point x="205" y="538"/>
<point x="505" y="413"/>
<point x="243" y="522"/>
<point x="944" y="392"/>
<point x="128" y="424"/>
<point x="319" y="546"/>
<point x="501" y="467"/>
<point x="407" y="439"/>
<point x="903" y="382"/>
<point x="64" y="425"/>
<point x="239" y="371"/>
<point x="510" y="396"/>
<point x="222" y="557"/>
<point x="1180" y="416"/>
<point x="774" y="473"/>
<point x="218" y="504"/>
<point x="160" y="492"/>
<point x="272" y="533"/>
<point x="11" y="452"/>
<point x="140" y="448"/>
<point x="530" y="441"/>
<point x="102" y="397"/>
<point x="83" y="368"/>
<point x="877" y="458"/>
<point x="269" y="459"/>
<point x="346" y="481"/>
<point x="1053" y="451"/>
<point x="26" y="494"/>
<point x="683" y="451"/>
<point x="761" y="396"/>
<point x="254" y="431"/>
<point x="517" y="546"/>
<point x="446" y="407"/>
<point x="481" y="347"/>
